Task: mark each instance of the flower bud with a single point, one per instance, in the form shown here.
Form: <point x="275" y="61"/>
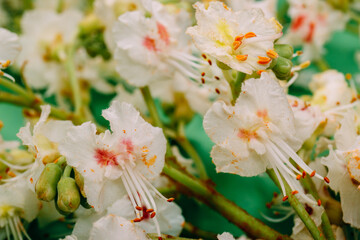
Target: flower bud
<point x="282" y="68"/>
<point x="45" y="187"/>
<point x="68" y="199"/>
<point x="284" y="50"/>
<point x="79" y="179"/>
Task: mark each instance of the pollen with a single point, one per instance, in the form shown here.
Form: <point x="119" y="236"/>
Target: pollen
<point x="241" y="57"/>
<point x="272" y="54"/>
<point x="263" y="60"/>
<point x="250" y="35"/>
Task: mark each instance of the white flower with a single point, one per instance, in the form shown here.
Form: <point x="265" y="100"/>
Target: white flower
<point x="45" y="35"/>
<point x="257" y="133"/>
<point x="267" y="6"/>
<point x="228" y="236"/>
<point x="344" y="168"/>
<point x="9" y="49"/>
<point x="108" y="11"/>
<point x="313" y="22"/>
<point x="17" y="202"/>
<point x="42" y="140"/>
<point x="243" y="40"/>
<point x="120" y="162"/>
<point x="334" y="96"/>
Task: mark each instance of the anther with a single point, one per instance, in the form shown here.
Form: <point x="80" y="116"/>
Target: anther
<point x="202" y="80"/>
<point x="139" y="208"/>
<point x="285" y="198"/>
<point x="217" y="78"/>
<point x="319" y="202"/>
<point x="305" y="64"/>
<point x="171" y="199"/>
<point x="203" y="74"/>
<point x="6" y="64"/>
<point x="149" y="210"/>
<point x="239" y="38"/>
<point x="312" y="174"/>
<point x="152" y="215"/>
<point x="160" y="238"/>
<point x="326" y="179"/>
<point x="303" y="174"/>
<point x="294" y="192"/>
<point x="241" y="57"/>
<point x="250" y="35"/>
<point x="236" y="44"/>
<point x="259" y="72"/>
<point x="204" y="56"/>
<point x="263" y="60"/>
<point x="137" y="220"/>
<point x="272" y="54"/>
<point x="348" y="76"/>
<point x="209" y="61"/>
<point x="268" y="205"/>
<point x="217" y="90"/>
<point x="298" y="177"/>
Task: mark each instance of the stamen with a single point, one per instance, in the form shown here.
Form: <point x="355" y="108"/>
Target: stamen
<point x="250" y="35"/>
<point x="326" y="179"/>
<point x="294" y="192"/>
<point x="263" y="60"/>
<point x="203" y="74"/>
<point x="149" y="210"/>
<point x="272" y="54"/>
<point x="303" y="174"/>
<point x="204" y="56"/>
<point x="171" y="199"/>
<point x="239" y="38"/>
<point x="139" y="208"/>
<point x="137" y="220"/>
<point x="209" y="61"/>
<point x="152" y="215"/>
<point x="6" y="64"/>
<point x="217" y="90"/>
<point x="236" y="44"/>
<point x="298" y="177"/>
<point x="319" y="202"/>
<point x="313" y="173"/>
<point x="285" y="198"/>
<point x="241" y="57"/>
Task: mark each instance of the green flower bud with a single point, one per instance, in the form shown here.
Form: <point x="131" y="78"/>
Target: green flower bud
<point x="284" y="50"/>
<point x="282" y="69"/>
<point x="68" y="199"/>
<point x="46" y="185"/>
<point x="222" y="65"/>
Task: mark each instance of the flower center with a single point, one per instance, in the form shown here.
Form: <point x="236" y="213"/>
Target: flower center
<point x="105" y="157"/>
<point x="246" y="134"/>
<point x="149" y="43"/>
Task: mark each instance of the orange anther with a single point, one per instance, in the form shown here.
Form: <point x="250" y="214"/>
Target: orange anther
<point x="203" y="74"/>
<point x="241" y="57"/>
<point x="152" y="215"/>
<point x="298" y="177"/>
<point x="236" y="44"/>
<point x="6" y="64"/>
<point x="171" y="199"/>
<point x="312" y="174"/>
<point x="239" y="38"/>
<point x="137" y="220"/>
<point x="326" y="179"/>
<point x="259" y="72"/>
<point x="139" y="208"/>
<point x="149" y="210"/>
<point x="319" y="202"/>
<point x="285" y="198"/>
<point x="294" y="192"/>
<point x="272" y="54"/>
<point x="250" y="35"/>
<point x="263" y="60"/>
<point x="217" y="90"/>
<point x="348" y="76"/>
<point x="11" y="174"/>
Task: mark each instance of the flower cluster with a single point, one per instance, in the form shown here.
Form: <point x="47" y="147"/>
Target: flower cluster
<point x="123" y="100"/>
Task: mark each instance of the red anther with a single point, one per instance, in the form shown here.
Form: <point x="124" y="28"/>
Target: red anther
<point x="171" y="199"/>
<point x="209" y="61"/>
<point x="268" y="205"/>
<point x="285" y="198"/>
<point x="326" y="180"/>
<point x="312" y="174"/>
<point x="139" y="208"/>
<point x="298" y="177"/>
<point x="294" y="192"/>
<point x="149" y="210"/>
<point x="275" y="194"/>
<point x="137" y="220"/>
<point x="217" y="78"/>
<point x="203" y="74"/>
<point x="303" y="174"/>
<point x="204" y="56"/>
<point x="217" y="90"/>
<point x="152" y="215"/>
<point x="319" y="202"/>
<point x="202" y="80"/>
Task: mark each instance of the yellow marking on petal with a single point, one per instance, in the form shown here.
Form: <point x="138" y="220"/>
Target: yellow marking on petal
<point x="263" y="60"/>
<point x="150" y="162"/>
<point x="6" y="64"/>
<point x="241" y="57"/>
<point x="272" y="54"/>
<point x="224" y="31"/>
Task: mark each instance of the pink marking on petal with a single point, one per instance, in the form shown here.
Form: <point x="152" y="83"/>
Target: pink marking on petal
<point x="128" y="144"/>
<point x="105" y="157"/>
<point x="149" y="43"/>
<point x="163" y="33"/>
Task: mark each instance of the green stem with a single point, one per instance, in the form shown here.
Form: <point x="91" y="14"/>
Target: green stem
<point x="74" y="82"/>
<point x="309" y="186"/>
<point x="299" y="208"/>
<point x="67" y="171"/>
<point x="188" y="227"/>
<point x="15" y="88"/>
<point x="235" y="214"/>
<point x="145" y="91"/>
<point x="154" y="236"/>
<point x="236" y="86"/>
<point x="189" y="148"/>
